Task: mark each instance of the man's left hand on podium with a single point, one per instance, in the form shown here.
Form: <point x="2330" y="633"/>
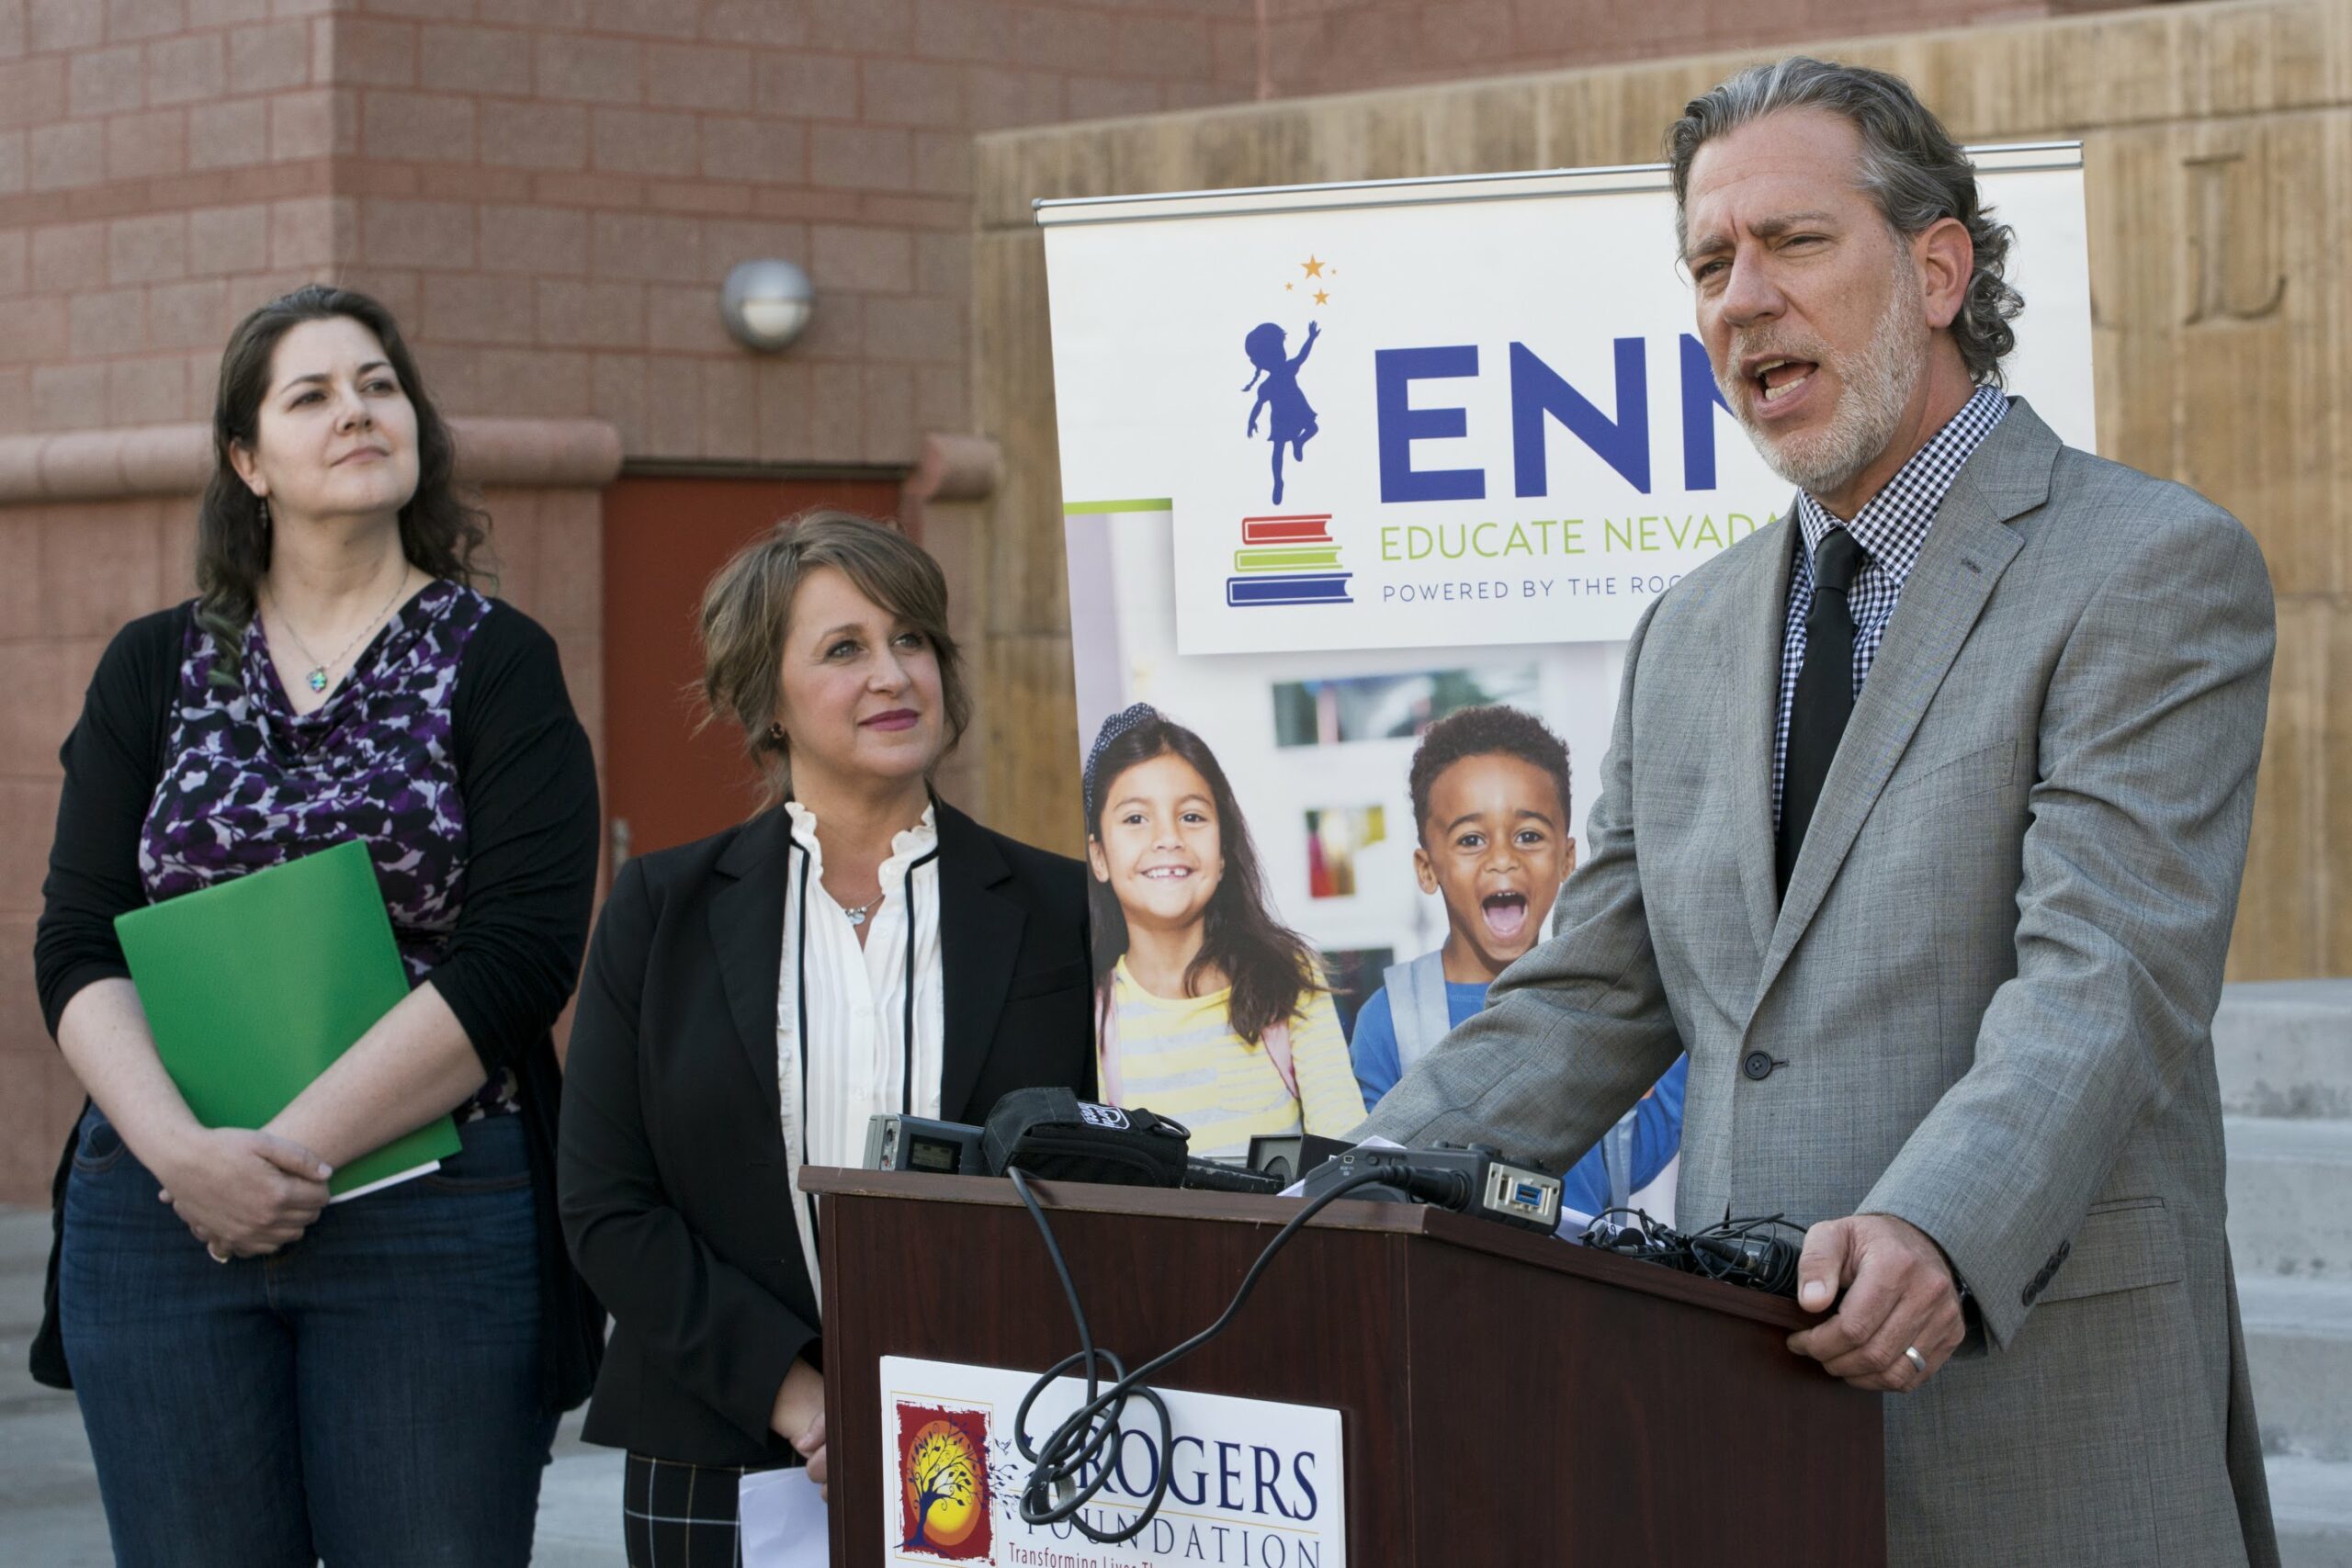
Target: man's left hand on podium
<point x="1899" y="1296"/>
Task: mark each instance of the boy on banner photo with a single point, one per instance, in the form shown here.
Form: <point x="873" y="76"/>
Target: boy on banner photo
<point x="1209" y="1010"/>
<point x="1491" y="799"/>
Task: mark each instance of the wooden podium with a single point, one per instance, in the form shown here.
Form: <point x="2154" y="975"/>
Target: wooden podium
<point x="1505" y="1398"/>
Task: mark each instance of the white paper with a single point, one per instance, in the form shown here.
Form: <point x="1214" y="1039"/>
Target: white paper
<point x="411" y="1174"/>
<point x="782" y="1520"/>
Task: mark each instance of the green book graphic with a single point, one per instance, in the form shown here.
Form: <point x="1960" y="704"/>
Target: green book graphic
<point x="1286" y="558"/>
<point x="255" y="986"/>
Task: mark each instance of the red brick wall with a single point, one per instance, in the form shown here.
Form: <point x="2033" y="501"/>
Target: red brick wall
<point x="549" y="191"/>
<point x="70" y="575"/>
<point x="163" y="164"/>
<point x="553" y="191"/>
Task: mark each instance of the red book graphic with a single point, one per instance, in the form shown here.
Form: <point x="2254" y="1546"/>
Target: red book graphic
<point x="1303" y="529"/>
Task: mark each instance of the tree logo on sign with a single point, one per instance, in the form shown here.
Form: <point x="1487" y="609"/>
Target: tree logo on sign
<point x="943" y="1483"/>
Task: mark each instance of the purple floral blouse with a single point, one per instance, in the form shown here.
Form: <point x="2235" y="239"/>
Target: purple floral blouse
<point x="252" y="785"/>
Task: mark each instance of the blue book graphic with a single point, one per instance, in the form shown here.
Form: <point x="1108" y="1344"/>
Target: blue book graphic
<point x="1320" y="588"/>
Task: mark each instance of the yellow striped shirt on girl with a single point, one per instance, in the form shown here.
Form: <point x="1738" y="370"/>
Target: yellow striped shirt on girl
<point x="1180" y="1057"/>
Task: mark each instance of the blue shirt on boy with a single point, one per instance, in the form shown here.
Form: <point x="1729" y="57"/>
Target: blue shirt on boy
<point x="1657" y="1119"/>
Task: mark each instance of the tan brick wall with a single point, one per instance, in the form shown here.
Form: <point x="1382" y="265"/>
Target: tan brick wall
<point x="1327" y="46"/>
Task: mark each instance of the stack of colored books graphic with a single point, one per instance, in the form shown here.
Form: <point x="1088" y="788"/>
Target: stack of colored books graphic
<point x="1287" y="561"/>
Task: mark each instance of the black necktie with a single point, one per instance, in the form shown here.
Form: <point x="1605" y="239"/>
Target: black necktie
<point x="1825" y="694"/>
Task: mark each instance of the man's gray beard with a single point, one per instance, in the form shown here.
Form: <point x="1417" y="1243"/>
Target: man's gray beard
<point x="1874" y="389"/>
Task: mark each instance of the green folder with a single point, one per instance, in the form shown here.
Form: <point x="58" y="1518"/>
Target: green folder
<point x="255" y="986"/>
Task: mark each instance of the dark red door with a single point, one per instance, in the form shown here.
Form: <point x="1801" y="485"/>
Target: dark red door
<point x="664" y="538"/>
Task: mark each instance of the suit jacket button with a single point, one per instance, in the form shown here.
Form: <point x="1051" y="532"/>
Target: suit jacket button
<point x="1758" y="1065"/>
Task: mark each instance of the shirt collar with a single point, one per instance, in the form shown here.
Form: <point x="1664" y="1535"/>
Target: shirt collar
<point x="907" y="846"/>
<point x="1893" y="525"/>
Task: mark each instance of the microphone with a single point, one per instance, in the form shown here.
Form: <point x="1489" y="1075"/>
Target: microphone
<point x="1215" y="1176"/>
<point x="1052" y="1134"/>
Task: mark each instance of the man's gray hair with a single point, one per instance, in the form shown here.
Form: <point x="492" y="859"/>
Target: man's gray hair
<point x="1910" y="167"/>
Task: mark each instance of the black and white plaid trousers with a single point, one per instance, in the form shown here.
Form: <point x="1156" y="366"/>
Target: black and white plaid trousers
<point x="675" y="1515"/>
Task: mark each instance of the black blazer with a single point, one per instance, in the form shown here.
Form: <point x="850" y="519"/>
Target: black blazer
<point x="671" y="1168"/>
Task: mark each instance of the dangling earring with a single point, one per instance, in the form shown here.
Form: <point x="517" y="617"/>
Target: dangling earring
<point x="261" y="507"/>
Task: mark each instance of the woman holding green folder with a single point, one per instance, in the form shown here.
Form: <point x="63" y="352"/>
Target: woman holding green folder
<point x="266" y="1379"/>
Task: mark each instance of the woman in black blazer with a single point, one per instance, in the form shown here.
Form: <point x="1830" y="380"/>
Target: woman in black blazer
<point x="939" y="965"/>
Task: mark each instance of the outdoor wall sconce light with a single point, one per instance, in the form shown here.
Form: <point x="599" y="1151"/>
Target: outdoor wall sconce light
<point x="765" y="304"/>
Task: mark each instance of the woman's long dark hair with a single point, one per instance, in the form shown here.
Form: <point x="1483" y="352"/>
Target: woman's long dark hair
<point x="1271" y="967"/>
<point x="439" y="532"/>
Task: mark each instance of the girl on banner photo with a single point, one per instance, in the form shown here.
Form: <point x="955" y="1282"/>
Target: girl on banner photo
<point x="1291" y="420"/>
<point x="1208" y="1008"/>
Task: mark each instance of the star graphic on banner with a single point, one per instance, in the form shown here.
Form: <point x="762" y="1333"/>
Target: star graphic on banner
<point x="1321" y="297"/>
<point x="1286" y="287"/>
<point x="1314" y="267"/>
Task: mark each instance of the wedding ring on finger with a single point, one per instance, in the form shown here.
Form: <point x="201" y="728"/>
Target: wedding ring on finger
<point x="1911" y="1354"/>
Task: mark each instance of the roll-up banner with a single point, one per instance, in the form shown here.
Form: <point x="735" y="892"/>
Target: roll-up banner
<point x="1342" y="464"/>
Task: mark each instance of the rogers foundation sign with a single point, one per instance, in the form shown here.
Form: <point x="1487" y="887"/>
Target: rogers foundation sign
<point x="1251" y="1483"/>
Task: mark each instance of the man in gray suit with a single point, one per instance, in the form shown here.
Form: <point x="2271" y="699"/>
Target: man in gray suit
<point x="1921" y="831"/>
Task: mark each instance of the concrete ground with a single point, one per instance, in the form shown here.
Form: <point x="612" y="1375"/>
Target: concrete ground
<point x="49" y="1492"/>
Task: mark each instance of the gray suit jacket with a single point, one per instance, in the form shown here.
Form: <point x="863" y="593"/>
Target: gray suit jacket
<point x="1986" y="1003"/>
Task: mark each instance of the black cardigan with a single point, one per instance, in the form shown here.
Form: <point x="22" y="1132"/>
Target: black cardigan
<point x="672" y="1167"/>
<point x="529" y="785"/>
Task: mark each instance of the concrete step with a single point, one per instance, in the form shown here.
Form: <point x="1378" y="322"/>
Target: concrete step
<point x="2311" y="1500"/>
<point x="2291" y="1196"/>
<point x="580" y="1504"/>
<point x="2284" y="1048"/>
<point x="2299" y="1347"/>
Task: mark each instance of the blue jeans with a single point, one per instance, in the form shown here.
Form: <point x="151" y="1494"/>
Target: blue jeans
<point x="371" y="1394"/>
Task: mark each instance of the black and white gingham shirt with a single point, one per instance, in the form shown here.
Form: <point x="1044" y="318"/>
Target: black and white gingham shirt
<point x="1891" y="528"/>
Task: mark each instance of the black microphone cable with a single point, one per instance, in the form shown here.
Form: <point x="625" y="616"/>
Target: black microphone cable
<point x="1094" y="1427"/>
<point x="1759" y="1252"/>
<point x="1762" y="1253"/>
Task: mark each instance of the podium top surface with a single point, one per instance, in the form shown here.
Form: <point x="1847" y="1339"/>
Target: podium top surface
<point x="1439" y="1226"/>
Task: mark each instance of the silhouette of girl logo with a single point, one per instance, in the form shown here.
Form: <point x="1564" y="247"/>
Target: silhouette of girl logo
<point x="1291" y="422"/>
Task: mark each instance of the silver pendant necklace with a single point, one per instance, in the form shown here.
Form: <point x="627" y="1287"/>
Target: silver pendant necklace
<point x="857" y="915"/>
<point x="317" y="677"/>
